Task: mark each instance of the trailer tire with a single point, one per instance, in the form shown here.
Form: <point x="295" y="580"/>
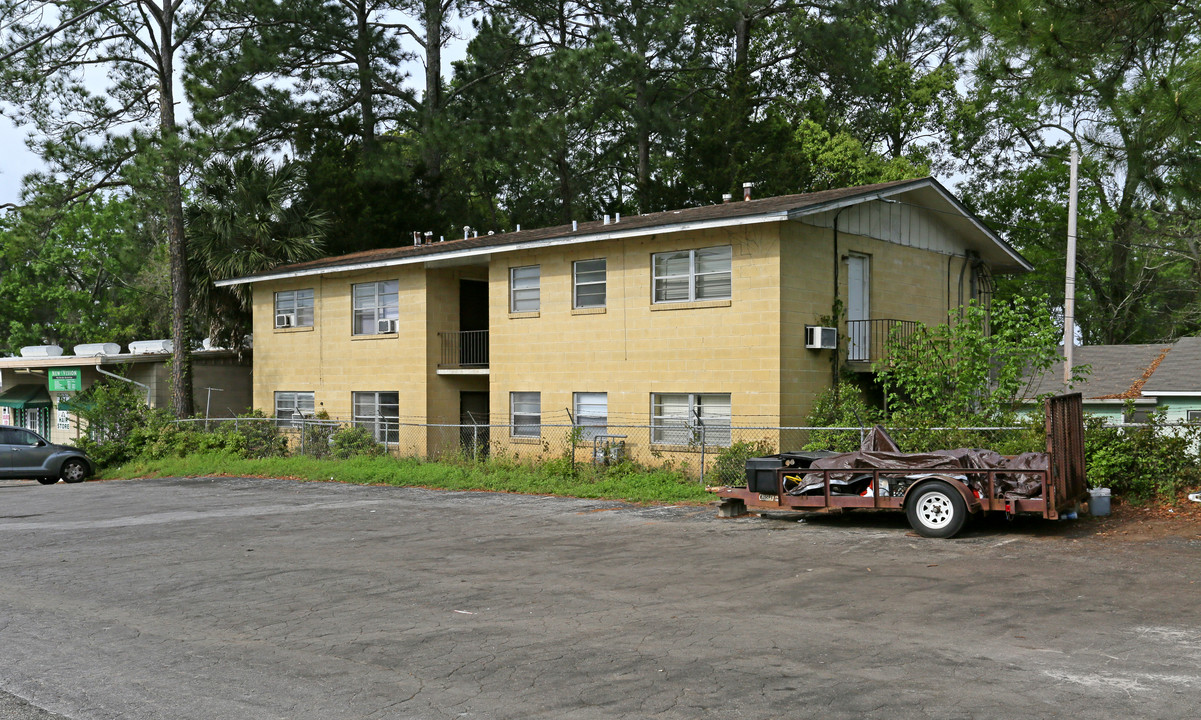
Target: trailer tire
<point x="936" y="510"/>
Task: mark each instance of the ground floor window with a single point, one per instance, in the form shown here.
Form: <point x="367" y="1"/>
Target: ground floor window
<point x="291" y="406"/>
<point x="591" y="414"/>
<point x="678" y="418"/>
<point x="36" y="419"/>
<point x="525" y="414"/>
<point x="379" y="413"/>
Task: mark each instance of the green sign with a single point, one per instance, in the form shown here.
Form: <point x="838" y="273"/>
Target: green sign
<point x="65" y="379"/>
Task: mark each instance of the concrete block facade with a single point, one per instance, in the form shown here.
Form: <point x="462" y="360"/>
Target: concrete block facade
<point x="747" y="343"/>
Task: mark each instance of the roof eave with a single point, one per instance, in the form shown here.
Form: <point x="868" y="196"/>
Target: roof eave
<point x="615" y="234"/>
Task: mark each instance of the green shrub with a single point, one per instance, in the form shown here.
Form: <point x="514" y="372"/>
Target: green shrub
<point x="352" y="441"/>
<point x="1142" y="463"/>
<point x="730" y="466"/>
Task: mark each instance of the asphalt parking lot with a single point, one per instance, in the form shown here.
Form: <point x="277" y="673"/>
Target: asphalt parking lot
<point x="245" y="598"/>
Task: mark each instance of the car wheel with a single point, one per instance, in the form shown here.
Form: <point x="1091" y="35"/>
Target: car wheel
<point x="937" y="510"/>
<point x="47" y="481"/>
<point x="75" y="471"/>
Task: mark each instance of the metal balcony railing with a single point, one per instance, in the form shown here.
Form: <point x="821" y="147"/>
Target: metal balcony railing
<point x="465" y="349"/>
<point x="868" y="341"/>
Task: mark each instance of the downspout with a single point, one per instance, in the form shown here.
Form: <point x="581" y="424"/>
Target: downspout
<point x="950" y="260"/>
<point x="102" y="371"/>
<point x="836" y="309"/>
<point x="966" y="260"/>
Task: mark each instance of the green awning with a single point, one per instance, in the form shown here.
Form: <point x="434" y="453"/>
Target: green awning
<point x="24" y="397"/>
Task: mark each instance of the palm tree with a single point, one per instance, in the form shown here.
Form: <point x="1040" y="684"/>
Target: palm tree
<point x="246" y="218"/>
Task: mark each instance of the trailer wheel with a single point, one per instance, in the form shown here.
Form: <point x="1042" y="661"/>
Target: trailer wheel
<point x="936" y="510"/>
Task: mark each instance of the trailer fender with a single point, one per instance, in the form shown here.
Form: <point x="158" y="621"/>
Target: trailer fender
<point x="969" y="498"/>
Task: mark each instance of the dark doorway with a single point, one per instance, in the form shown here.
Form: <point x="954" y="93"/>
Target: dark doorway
<point x="473" y="416"/>
<point x="473" y="323"/>
<point x="473" y="305"/>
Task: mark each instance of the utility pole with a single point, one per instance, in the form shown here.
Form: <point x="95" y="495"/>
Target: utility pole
<point x="1069" y="301"/>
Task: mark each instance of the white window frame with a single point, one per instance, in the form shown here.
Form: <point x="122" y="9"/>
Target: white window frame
<point x="603" y="283"/>
<point x="382" y="303"/>
<point x="591" y="414"/>
<point x="523" y="286"/>
<point x="298" y="304"/>
<point x="525" y="429"/>
<point x="658" y="281"/>
<point x="677" y="429"/>
<point x="292" y="402"/>
<point x="369" y="409"/>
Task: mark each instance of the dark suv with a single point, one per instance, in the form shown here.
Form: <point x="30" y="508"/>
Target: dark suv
<point x="25" y="454"/>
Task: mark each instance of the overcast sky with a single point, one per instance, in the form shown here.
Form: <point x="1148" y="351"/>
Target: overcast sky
<point x="15" y="160"/>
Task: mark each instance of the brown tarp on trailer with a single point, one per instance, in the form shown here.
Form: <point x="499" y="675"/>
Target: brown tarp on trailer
<point x="878" y="451"/>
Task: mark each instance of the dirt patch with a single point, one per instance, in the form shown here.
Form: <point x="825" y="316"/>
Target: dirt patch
<point x="1152" y="521"/>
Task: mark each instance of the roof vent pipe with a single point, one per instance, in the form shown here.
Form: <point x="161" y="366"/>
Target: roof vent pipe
<point x="491" y="232"/>
<point x="574" y="226"/>
<point x="606" y="219"/>
<point x="475" y="233"/>
<point x="746" y="190"/>
<point x="466" y="231"/>
<point x="429" y="237"/>
<point x="518" y="227"/>
<point x="617" y="218"/>
<point x="726" y="197"/>
<point x="416" y="237"/>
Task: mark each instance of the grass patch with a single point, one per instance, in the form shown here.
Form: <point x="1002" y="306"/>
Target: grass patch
<point x="622" y="482"/>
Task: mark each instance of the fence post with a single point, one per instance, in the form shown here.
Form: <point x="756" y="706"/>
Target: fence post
<point x="303" y="433"/>
<point x="475" y="440"/>
<point x="702" y="453"/>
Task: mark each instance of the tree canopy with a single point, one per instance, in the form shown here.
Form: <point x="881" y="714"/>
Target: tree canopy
<point x="560" y="110"/>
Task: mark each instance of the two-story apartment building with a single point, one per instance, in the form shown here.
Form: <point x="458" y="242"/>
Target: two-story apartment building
<point x="667" y="319"/>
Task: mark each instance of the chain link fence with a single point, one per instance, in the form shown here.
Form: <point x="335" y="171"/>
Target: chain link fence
<point x="711" y="454"/>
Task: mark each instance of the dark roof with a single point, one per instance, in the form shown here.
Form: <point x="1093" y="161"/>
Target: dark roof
<point x="1181" y="369"/>
<point x="724" y="211"/>
<point x="1117" y="371"/>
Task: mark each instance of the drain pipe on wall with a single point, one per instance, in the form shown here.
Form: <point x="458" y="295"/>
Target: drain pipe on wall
<point x="835" y="308"/>
<point x="102" y="371"/>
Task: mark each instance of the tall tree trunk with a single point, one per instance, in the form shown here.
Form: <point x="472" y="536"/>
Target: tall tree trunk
<point x="642" y="121"/>
<point x="181" y="375"/>
<point x="435" y="17"/>
<point x="367" y="117"/>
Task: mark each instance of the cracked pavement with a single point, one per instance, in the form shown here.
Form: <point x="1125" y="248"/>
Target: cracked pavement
<point x="249" y="598"/>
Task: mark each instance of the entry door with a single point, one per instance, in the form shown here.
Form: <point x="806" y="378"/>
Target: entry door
<point x="473" y="419"/>
<point x="473" y="320"/>
<point x="858" y="308"/>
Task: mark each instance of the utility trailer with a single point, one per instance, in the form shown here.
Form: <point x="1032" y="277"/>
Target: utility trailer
<point x="938" y="501"/>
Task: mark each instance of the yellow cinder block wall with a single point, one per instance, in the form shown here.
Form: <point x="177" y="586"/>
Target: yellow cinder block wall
<point x="633" y="347"/>
<point x="750" y="346"/>
<point x="328" y="359"/>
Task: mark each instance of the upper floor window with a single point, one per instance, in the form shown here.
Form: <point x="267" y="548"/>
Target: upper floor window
<point x="524" y="291"/>
<point x="376" y="307"/>
<point x="690" y="275"/>
<point x="590" y="282"/>
<point x="294" y="308"/>
<point x="290" y="405"/>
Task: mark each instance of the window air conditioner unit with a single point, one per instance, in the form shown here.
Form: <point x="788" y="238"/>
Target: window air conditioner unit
<point x="821" y="338"/>
<point x="385" y="326"/>
<point x="284" y="320"/>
